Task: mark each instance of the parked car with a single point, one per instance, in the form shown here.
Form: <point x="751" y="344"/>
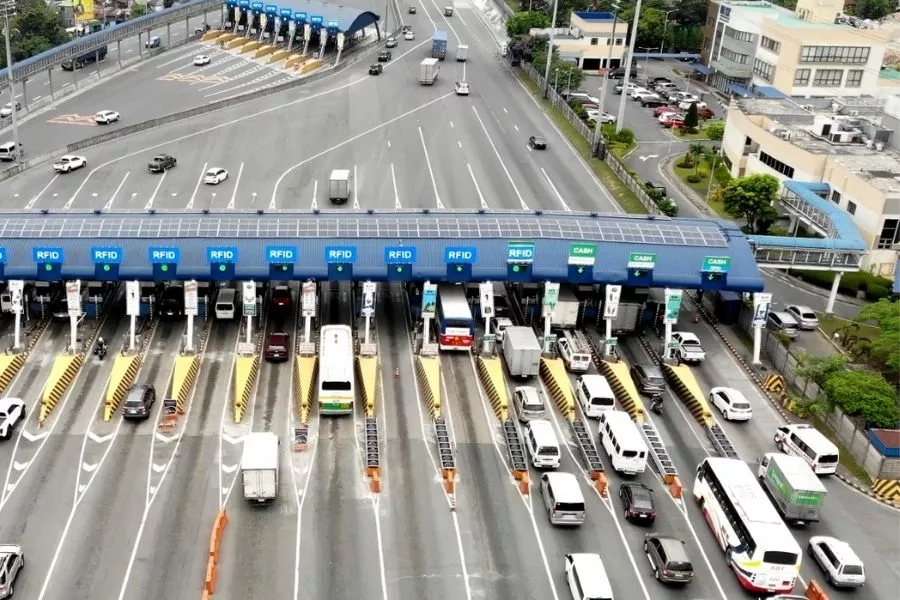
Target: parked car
<point x="376" y="69"/>
<point x="680" y="97"/>
<point x="641" y="93"/>
<point x="105" y="117"/>
<point x="648" y="378"/>
<point x="805" y="316"/>
<point x="731" y="403"/>
<point x="705" y="113"/>
<point x="686" y="104"/>
<point x="68" y="163"/>
<point x="665" y="110"/>
<point x="603" y="117"/>
<point x="582" y="97"/>
<point x="629" y="89"/>
<point x="12" y="410"/>
<point x="215" y="176"/>
<point x="536" y="142"/>
<point x="674" y="123"/>
<point x="277" y="347"/>
<point x="637" y="500"/>
<point x="139" y="402"/>
<point x="653" y="101"/>
<point x="161" y="163"/>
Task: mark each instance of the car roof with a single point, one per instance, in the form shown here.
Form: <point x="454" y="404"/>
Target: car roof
<point x="10" y="400"/>
<point x="730" y="393"/>
<point x="687" y="336"/>
<point x="633" y="486"/>
<point x="802" y="308"/>
<point x="841" y="548"/>
<point x="672" y="545"/>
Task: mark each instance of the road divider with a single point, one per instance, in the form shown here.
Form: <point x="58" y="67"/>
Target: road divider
<point x="64" y="370"/>
<point x="224" y="39"/>
<point x="246" y="369"/>
<point x="124" y="372"/>
<point x="493" y="379"/>
<point x="309" y="66"/>
<point x="556" y="378"/>
<point x="10" y="365"/>
<point x="264" y="51"/>
<point x="236" y="43"/>
<point x="305" y="371"/>
<point x="215" y="35"/>
<point x="279" y="55"/>
<point x="685" y="385"/>
<point x="215" y="547"/>
<point x="247" y="48"/>
<point x="428" y="370"/>
<point x="367" y="371"/>
<point x="294" y="60"/>
<point x="887" y="489"/>
<point x="619" y="377"/>
<point x="184" y="375"/>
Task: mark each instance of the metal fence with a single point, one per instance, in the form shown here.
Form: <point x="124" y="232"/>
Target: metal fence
<point x="618" y="167"/>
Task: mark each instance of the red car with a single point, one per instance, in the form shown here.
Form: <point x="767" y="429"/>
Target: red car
<point x="281" y="298"/>
<point x="705" y="113"/>
<point x="660" y="110"/>
<point x="674" y="123"/>
<point x="277" y="347"/>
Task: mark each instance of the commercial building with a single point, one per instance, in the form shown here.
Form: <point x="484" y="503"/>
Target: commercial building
<point x="850" y="144"/>
<point x="588" y="40"/>
<point x="755" y="48"/>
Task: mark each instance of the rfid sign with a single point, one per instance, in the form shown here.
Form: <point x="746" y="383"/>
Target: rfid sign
<point x="459" y="261"/>
<point x="399" y="261"/>
<point x="221" y="262"/>
<point x="340" y="261"/>
<point x="106" y="262"/>
<point x="281" y="261"/>
<point x="316" y="20"/>
<point x="49" y="261"/>
<point x="519" y="258"/>
<point x="333" y="24"/>
<point x="300" y="17"/>
<point x="256" y="6"/>
<point x="285" y="13"/>
<point x="271" y="9"/>
<point x="165" y="262"/>
<point x="3" y="259"/>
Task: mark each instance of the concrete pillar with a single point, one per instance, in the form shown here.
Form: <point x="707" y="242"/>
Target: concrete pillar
<point x="119" y="52"/>
<point x="168" y="35"/>
<point x="829" y="309"/>
<point x="50" y="81"/>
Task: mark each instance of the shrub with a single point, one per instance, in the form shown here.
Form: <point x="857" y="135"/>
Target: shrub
<point x="690" y="130"/>
<point x="876" y="292"/>
<point x="668" y="208"/>
<point x="685" y="164"/>
<point x="626" y="136"/>
<point x="850" y="282"/>
<point x="715" y="131"/>
<point x="694" y="178"/>
<point x="779" y="231"/>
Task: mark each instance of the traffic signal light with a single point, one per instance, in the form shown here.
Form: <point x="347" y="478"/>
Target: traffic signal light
<point x="164" y="271"/>
<point x="399" y="272"/>
<point x="281" y="272"/>
<point x="340" y="271"/>
<point x="49" y="271"/>
<point x="518" y="271"/>
<point x="459" y="272"/>
<point x="221" y="271"/>
<point x="106" y="271"/>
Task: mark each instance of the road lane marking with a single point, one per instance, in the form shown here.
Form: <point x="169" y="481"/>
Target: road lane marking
<point x="437" y="195"/>
<point x="459" y="143"/>
<point x="355" y="196"/>
<point x="149" y="204"/>
<point x="349" y="140"/>
<point x="190" y="203"/>
<point x="556" y="191"/>
<point x="31" y="202"/>
<point x="236" y="184"/>
<point x="484" y="204"/>
<point x="315" y="205"/>
<point x="497" y="154"/>
<point x="108" y="205"/>
<point x="396" y="192"/>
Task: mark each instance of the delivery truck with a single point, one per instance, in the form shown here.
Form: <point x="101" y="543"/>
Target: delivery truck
<point x="428" y="71"/>
<point x="259" y="467"/>
<point x="339" y="183"/>
<point x="794" y="488"/>
<point x="522" y="352"/>
<point x="567" y="310"/>
<point x="439" y="45"/>
<point x="462" y="53"/>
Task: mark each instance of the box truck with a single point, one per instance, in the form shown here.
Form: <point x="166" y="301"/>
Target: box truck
<point x="794" y="488"/>
<point x="439" y="45"/>
<point x="567" y="310"/>
<point x="522" y="351"/>
<point x="259" y="467"/>
<point x="339" y="186"/>
<point x="428" y="71"/>
<point x="462" y="53"/>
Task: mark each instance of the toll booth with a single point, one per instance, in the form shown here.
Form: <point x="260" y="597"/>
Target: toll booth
<point x="725" y="305"/>
<point x="204" y="299"/>
<point x="591" y="298"/>
<point x="149" y="293"/>
<point x="40" y="294"/>
<point x="94" y="297"/>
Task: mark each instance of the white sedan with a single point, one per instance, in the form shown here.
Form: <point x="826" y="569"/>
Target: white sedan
<point x="686" y="104"/>
<point x="201" y="60"/>
<point x="603" y="117"/>
<point x="12" y="410"/>
<point x="461" y="88"/>
<point x="69" y="163"/>
<point x="409" y="36"/>
<point x="215" y="176"/>
<point x="105" y="117"/>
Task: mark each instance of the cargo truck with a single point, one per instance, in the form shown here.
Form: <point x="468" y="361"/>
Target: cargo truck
<point x="567" y="310"/>
<point x="428" y="71"/>
<point x="794" y="488"/>
<point x="462" y="53"/>
<point x="259" y="467"/>
<point x="439" y="45"/>
<point x="627" y="318"/>
<point x="522" y="352"/>
<point x="339" y="186"/>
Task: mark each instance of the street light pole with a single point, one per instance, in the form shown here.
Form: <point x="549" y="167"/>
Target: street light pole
<point x="7" y="7"/>
<point x="550" y="50"/>
<point x="662" y="42"/>
<point x="595" y="143"/>
<point x="620" y="119"/>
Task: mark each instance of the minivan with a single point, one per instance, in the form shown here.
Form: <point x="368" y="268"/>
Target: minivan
<point x="8" y="151"/>
<point x="668" y="558"/>
<point x="577" y="359"/>
<point x="562" y="498"/>
<point x="225" y="302"/>
<point x="587" y="577"/>
<point x="529" y="403"/>
<point x="543" y="447"/>
<point x="783" y="322"/>
<point x="594" y="395"/>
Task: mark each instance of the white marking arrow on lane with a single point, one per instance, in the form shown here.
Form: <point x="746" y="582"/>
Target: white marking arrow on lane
<point x="19" y="466"/>
<point x="648" y="157"/>
<point x="90" y="468"/>
<point x="34" y="437"/>
<point x="224" y="490"/>
<point x="229" y="468"/>
<point x="96" y="437"/>
<point x="232" y="440"/>
<point x="153" y="489"/>
<point x="166" y="439"/>
<point x="81" y="488"/>
<point x="10" y="487"/>
<point x="159" y="468"/>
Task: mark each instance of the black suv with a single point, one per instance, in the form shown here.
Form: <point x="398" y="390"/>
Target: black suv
<point x="536" y="142"/>
<point x="648" y="379"/>
<point x="139" y="402"/>
<point x="161" y="163"/>
<point x="638" y="501"/>
<point x="375" y="69"/>
<point x="171" y="304"/>
<point x="384" y="56"/>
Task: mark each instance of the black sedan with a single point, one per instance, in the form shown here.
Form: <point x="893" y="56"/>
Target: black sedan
<point x="384" y="56"/>
<point x="375" y="69"/>
<point x="161" y="163"/>
<point x="637" y="499"/>
<point x="536" y="142"/>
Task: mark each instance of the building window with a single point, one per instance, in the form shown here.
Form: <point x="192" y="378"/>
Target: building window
<point x="741" y="59"/>
<point x="890" y="235"/>
<point x="854" y="78"/>
<point x="741" y="36"/>
<point x="770" y="44"/>
<point x="851" y="55"/>
<point x="851" y="207"/>
<point x="776" y="165"/>
<point x="828" y="77"/>
<point x="595" y="41"/>
<point x="619" y="41"/>
<point x="835" y="196"/>
<point x="801" y="77"/>
<point x="763" y="70"/>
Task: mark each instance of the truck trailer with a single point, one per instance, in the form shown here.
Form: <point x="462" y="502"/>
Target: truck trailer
<point x="259" y="467"/>
<point x="792" y="485"/>
<point x="522" y="352"/>
<point x="428" y="71"/>
<point x="567" y="310"/>
<point x="439" y="45"/>
<point x="339" y="186"/>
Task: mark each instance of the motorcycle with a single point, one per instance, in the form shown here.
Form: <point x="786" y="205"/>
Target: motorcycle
<point x="656" y="405"/>
<point x="100" y="350"/>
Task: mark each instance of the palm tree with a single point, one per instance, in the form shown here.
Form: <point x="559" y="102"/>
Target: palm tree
<point x="696" y="151"/>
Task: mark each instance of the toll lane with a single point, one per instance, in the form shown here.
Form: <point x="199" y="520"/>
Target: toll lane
<point x="501" y="548"/>
<point x="175" y="538"/>
<point x="422" y="559"/>
<point x="104" y="527"/>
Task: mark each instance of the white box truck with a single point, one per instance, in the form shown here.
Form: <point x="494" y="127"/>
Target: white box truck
<point x="522" y="351"/>
<point x="428" y="71"/>
<point x="462" y="53"/>
<point x="259" y="467"/>
<point x="567" y="310"/>
<point x="339" y="183"/>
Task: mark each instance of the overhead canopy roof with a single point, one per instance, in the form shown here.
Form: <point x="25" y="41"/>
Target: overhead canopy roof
<point x="328" y="14"/>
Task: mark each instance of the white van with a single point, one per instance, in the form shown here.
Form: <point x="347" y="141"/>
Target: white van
<point x="8" y="151"/>
<point x="543" y="447"/>
<point x="529" y="403"/>
<point x="594" y="395"/>
<point x="225" y="303"/>
<point x="808" y="443"/>
<point x="562" y="498"/>
<point x="574" y="353"/>
<point x="624" y="444"/>
<point x="587" y="578"/>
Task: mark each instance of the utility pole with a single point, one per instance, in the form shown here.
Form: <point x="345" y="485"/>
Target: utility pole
<point x="8" y="7"/>
<point x="634" y="27"/>
<point x="595" y="143"/>
<point x="550" y="50"/>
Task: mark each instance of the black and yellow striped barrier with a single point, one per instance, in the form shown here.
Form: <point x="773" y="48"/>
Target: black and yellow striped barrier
<point x="367" y="372"/>
<point x="10" y="365"/>
<point x="213" y="35"/>
<point x="619" y="378"/>
<point x="556" y="378"/>
<point x="490" y="371"/>
<point x="887" y="489"/>
<point x="124" y="372"/>
<point x="246" y="368"/>
<point x="305" y="370"/>
<point x="428" y="371"/>
<point x="64" y="370"/>
<point x="183" y="378"/>
<point x="682" y="380"/>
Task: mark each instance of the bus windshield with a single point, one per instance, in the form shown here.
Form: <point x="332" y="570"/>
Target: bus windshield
<point x="454" y="319"/>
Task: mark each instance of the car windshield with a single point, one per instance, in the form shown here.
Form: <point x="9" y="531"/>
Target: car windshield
<point x="809" y="315"/>
<point x="682" y="567"/>
<point x="277" y="340"/>
<point x="691" y="343"/>
<point x="853" y="570"/>
<point x="134" y="402"/>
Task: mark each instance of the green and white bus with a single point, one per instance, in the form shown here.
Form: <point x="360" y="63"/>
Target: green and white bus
<point x="337" y="386"/>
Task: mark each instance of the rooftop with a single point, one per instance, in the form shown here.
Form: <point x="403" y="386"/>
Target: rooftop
<point x="761" y="9"/>
<point x="595" y="17"/>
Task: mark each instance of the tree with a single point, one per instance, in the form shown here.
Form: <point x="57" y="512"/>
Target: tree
<point x="168" y="3"/>
<point x="521" y="23"/>
<point x="885" y="349"/>
<point x="864" y="394"/>
<point x="753" y="198"/>
<point x="691" y="13"/>
<point x="138" y="10"/>
<point x="691" y="118"/>
<point x="873" y="9"/>
<point x="564" y="75"/>
<point x="35" y="28"/>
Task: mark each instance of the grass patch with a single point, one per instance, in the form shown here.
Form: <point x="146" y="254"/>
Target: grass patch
<point x="514" y="5"/>
<point x="623" y="196"/>
<point x="701" y="188"/>
<point x="700" y="136"/>
<point x="847" y="459"/>
<point x="831" y="324"/>
<point x="621" y="150"/>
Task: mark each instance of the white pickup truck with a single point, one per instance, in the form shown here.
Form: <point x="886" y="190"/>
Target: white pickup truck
<point x="689" y="348"/>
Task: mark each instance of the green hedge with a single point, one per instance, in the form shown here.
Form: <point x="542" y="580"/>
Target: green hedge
<point x="875" y="287"/>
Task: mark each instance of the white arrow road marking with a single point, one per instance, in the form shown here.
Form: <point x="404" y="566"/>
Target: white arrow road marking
<point x="95" y="437"/>
<point x="81" y="488"/>
<point x="21" y="466"/>
<point x="232" y="440"/>
<point x="224" y="490"/>
<point x="229" y="468"/>
<point x="648" y="157"/>
<point x="166" y="439"/>
<point x="90" y="468"/>
<point x="152" y="489"/>
<point x="159" y="467"/>
<point x="34" y="437"/>
<point x="10" y="487"/>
